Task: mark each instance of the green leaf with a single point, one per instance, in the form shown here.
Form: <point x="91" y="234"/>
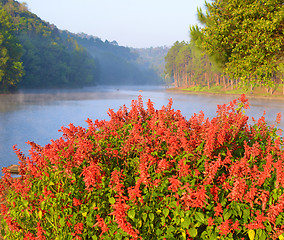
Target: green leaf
<point x="27" y="213"/>
<point x="278" y="220"/>
<point x="246" y="213"/>
<point x="151" y="216"/>
<point x="240" y="213"/>
<point x="144" y="216"/>
<point x="42" y="204"/>
<point x="131" y="214"/>
<point x="199" y="217"/>
<point x="183" y="234"/>
<point x="25" y="203"/>
<point x="173" y="204"/>
<point x="159" y="232"/>
<point x="251" y="234"/>
<point x="147" y="208"/>
<point x="62" y="222"/>
<point x="170" y="229"/>
<point x="192" y="232"/>
<point x="185" y="223"/>
<point x="163" y="220"/>
<point x="89" y="221"/>
<point x="111" y="200"/>
<point x="269" y="228"/>
<point x="166" y="212"/>
<point x="40" y="214"/>
<point x="260" y="234"/>
<point x="227" y="215"/>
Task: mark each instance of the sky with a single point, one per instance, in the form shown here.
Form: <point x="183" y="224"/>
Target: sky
<point x="132" y="23"/>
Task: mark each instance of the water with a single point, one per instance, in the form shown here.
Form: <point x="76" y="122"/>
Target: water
<point x="38" y="115"/>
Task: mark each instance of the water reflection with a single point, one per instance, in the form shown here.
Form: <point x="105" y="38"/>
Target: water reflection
<point x="37" y="115"/>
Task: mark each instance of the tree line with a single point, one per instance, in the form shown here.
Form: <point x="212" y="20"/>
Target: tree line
<point x="39" y="56"/>
<point x="118" y="65"/>
<point x="240" y="43"/>
<point x="36" y="54"/>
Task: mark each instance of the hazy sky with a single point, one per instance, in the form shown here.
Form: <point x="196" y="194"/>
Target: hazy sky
<point x="132" y="23"/>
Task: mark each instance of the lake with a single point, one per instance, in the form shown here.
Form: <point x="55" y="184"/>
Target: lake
<point x="37" y="115"/>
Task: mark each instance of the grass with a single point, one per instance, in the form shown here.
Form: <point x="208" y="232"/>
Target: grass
<point x="256" y="92"/>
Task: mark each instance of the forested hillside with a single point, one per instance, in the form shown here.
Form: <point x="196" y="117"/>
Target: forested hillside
<point x="36" y="54"/>
<point x="153" y="57"/>
<point x="240" y="43"/>
<point x="47" y="59"/>
<point x="117" y="64"/>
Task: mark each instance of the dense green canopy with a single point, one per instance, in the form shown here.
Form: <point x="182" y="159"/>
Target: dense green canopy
<point x="240" y="42"/>
<point x="11" y="69"/>
<point x="247" y="36"/>
<point x="52" y="58"/>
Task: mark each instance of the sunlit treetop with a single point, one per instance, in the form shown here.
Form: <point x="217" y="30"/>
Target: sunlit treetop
<point x="246" y="36"/>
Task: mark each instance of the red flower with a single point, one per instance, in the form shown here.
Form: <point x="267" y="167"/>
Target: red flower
<point x="278" y="118"/>
<point x="78" y="228"/>
<point x="119" y="213"/>
<point x="244" y="100"/>
<point x="258" y="223"/>
<point x="183" y="168"/>
<point x="225" y="227"/>
<point x="29" y="236"/>
<point x="235" y="225"/>
<point x="101" y="223"/>
<point x="210" y="221"/>
<point x="175" y="184"/>
<point x="40" y="232"/>
<point x="76" y="202"/>
<point x="218" y="210"/>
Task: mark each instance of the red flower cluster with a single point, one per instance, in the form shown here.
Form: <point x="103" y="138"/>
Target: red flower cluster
<point x="152" y="174"/>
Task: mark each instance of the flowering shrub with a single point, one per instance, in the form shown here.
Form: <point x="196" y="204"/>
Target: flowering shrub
<point x="151" y="174"/>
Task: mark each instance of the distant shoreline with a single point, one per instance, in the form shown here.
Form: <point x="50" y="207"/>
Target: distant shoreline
<point x="249" y="95"/>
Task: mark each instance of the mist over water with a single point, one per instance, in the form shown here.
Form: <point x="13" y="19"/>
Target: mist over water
<point x="37" y="115"/>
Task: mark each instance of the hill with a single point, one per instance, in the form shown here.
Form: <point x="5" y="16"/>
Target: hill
<point x="48" y="60"/>
<point x="117" y="64"/>
<point x="54" y="58"/>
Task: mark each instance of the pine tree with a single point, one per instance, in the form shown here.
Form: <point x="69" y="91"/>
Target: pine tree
<point x="247" y="35"/>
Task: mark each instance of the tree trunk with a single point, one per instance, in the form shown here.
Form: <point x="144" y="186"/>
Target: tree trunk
<point x="207" y="78"/>
<point x="175" y="79"/>
<point x="217" y="79"/>
<point x="224" y="82"/>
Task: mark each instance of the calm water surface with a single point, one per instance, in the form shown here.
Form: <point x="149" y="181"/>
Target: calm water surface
<point x="38" y="115"/>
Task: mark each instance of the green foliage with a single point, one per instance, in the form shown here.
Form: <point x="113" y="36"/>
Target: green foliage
<point x="11" y="69"/>
<point x="246" y="37"/>
<point x="240" y="44"/>
<point x="53" y="58"/>
<point x="190" y="66"/>
<point x="118" y="65"/>
<point x="151" y="174"/>
<point x="153" y="58"/>
<point x="48" y="60"/>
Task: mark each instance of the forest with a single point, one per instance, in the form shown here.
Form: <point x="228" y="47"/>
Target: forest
<point x="239" y="44"/>
<point x="121" y="65"/>
<point x="36" y="54"/>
